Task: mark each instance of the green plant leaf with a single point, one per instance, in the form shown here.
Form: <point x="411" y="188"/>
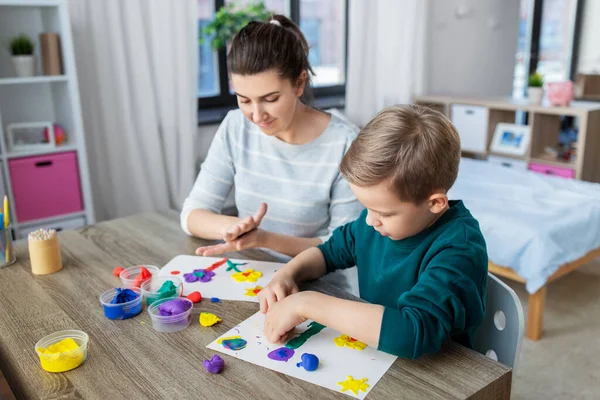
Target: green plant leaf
<point x="21" y="45"/>
<point x="228" y="21"/>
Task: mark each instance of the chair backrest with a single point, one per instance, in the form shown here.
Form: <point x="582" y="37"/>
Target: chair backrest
<point x="499" y="335"/>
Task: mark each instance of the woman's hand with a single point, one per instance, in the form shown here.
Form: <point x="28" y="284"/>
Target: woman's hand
<point x="242" y="235"/>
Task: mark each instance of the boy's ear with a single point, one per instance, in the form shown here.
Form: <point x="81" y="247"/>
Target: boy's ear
<point x="438" y="202"/>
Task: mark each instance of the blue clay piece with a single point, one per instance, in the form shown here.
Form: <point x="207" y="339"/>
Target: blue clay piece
<point x="215" y="299"/>
<point x="117" y="311"/>
<point x="309" y="362"/>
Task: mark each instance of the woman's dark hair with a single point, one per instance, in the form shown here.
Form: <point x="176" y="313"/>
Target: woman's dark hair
<point x="261" y="46"/>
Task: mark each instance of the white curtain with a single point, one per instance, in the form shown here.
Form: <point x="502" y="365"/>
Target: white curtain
<point x="136" y="63"/>
<point x="386" y="55"/>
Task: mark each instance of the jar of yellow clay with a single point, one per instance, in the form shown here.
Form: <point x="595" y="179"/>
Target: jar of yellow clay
<point x="62" y="351"/>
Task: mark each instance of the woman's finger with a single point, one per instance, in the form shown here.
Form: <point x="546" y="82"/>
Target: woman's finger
<point x="262" y="210"/>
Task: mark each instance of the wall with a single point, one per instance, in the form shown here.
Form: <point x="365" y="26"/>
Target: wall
<point x="589" y="50"/>
<point x="472" y="46"/>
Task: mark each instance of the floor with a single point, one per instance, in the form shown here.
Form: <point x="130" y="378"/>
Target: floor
<point x="565" y="363"/>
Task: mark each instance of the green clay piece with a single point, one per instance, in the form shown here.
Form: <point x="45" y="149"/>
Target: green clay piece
<point x="313" y="329"/>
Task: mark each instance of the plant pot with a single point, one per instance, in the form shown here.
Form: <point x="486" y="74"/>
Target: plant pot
<point x="535" y="95"/>
<point x="24" y="65"/>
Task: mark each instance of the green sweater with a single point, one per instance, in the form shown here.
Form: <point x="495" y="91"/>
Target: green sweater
<point x="432" y="285"/>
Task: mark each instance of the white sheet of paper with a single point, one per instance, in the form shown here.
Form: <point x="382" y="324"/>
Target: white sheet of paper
<point x="222" y="284"/>
<point x="335" y="363"/>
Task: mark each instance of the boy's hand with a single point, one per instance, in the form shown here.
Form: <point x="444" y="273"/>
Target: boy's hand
<point x="243" y="235"/>
<point x="281" y="286"/>
<point x="283" y="317"/>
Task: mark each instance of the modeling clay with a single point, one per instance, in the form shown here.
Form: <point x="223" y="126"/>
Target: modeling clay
<point x="248" y="275"/>
<point x="208" y="319"/>
<point x="215" y="365"/>
<point x="309" y="362"/>
<point x="253" y="292"/>
<point x="313" y="329"/>
<point x="215" y="300"/>
<point x="195" y="297"/>
<point x="175" y="272"/>
<point x="348" y="341"/>
<point x="281" y="354"/>
<point x="142" y="277"/>
<point x="354" y="384"/>
<point x="202" y="275"/>
<point x="173" y="307"/>
<point x="61" y="356"/>
<point x="117" y="271"/>
<point x="233" y="342"/>
<point x="216" y="265"/>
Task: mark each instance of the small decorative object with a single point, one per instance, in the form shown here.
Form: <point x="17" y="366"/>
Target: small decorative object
<point x="535" y="89"/>
<point x="560" y="94"/>
<point x="511" y="139"/>
<point x="59" y="134"/>
<point x="29" y="136"/>
<point x="21" y="48"/>
<point x="50" y="50"/>
<point x="214" y="365"/>
<point x="229" y="19"/>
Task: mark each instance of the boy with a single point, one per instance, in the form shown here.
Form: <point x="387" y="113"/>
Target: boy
<point x="422" y="260"/>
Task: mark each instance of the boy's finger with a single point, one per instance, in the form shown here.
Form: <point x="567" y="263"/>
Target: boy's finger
<point x="271" y="299"/>
<point x="279" y="293"/>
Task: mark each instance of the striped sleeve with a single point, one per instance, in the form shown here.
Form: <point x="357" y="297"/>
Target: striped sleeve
<point x="344" y="206"/>
<point x="214" y="180"/>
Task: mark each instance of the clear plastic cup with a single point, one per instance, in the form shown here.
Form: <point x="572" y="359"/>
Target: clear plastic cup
<point x="171" y="323"/>
<point x="129" y="275"/>
<point x="121" y="310"/>
<point x="66" y="360"/>
<point x="151" y="286"/>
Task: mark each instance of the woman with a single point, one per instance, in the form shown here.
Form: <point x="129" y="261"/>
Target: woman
<point x="274" y="149"/>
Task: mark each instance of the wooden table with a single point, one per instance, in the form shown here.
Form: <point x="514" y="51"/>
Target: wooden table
<point x="128" y="359"/>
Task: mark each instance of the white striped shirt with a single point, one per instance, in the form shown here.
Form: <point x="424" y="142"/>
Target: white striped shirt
<point x="306" y="194"/>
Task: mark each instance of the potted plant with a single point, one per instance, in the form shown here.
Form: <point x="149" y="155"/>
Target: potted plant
<point x="535" y="88"/>
<point x="21" y="47"/>
<point x="229" y="20"/>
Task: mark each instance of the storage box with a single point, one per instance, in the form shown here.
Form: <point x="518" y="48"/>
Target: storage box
<point x="520" y="165"/>
<point x="562" y="172"/>
<point x="45" y="186"/>
<point x="472" y="125"/>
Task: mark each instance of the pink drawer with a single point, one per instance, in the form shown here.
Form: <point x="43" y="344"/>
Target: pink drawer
<point x="552" y="170"/>
<point x="45" y="186"/>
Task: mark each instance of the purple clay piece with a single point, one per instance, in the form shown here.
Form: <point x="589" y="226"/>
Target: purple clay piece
<point x="207" y="276"/>
<point x="281" y="354"/>
<point x="190" y="278"/>
<point x="214" y="365"/>
<point x="173" y="307"/>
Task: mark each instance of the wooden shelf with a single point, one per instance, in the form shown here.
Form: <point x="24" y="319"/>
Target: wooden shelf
<point x="549" y="159"/>
<point x="59" y="149"/>
<point x="50" y="220"/>
<point x="33" y="79"/>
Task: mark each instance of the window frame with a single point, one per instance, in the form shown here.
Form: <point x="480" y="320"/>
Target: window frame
<point x="226" y="100"/>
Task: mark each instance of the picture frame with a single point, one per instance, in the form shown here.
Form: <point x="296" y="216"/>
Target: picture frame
<point x="29" y="136"/>
<point x="511" y="139"/>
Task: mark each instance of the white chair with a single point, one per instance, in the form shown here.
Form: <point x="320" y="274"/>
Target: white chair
<point x="499" y="335"/>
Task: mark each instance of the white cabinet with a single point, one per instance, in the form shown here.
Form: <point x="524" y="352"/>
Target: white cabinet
<point x="472" y="125"/>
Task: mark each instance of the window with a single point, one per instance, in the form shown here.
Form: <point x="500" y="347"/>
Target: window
<point x="548" y="34"/>
<point x="323" y="22"/>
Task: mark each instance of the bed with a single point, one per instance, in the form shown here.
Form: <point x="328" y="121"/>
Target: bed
<point x="538" y="228"/>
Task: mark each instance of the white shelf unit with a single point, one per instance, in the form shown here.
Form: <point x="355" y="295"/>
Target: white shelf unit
<point x="42" y="98"/>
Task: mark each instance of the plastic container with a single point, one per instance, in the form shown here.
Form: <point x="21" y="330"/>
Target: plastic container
<point x="128" y="275"/>
<point x="151" y="286"/>
<point x="172" y="323"/>
<point x="122" y="310"/>
<point x="66" y="360"/>
<point x="45" y="254"/>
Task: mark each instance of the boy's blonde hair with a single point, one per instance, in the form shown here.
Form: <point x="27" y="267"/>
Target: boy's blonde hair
<point x="416" y="148"/>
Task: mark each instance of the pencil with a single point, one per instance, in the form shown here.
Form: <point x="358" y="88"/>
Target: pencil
<point x="6" y="232"/>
